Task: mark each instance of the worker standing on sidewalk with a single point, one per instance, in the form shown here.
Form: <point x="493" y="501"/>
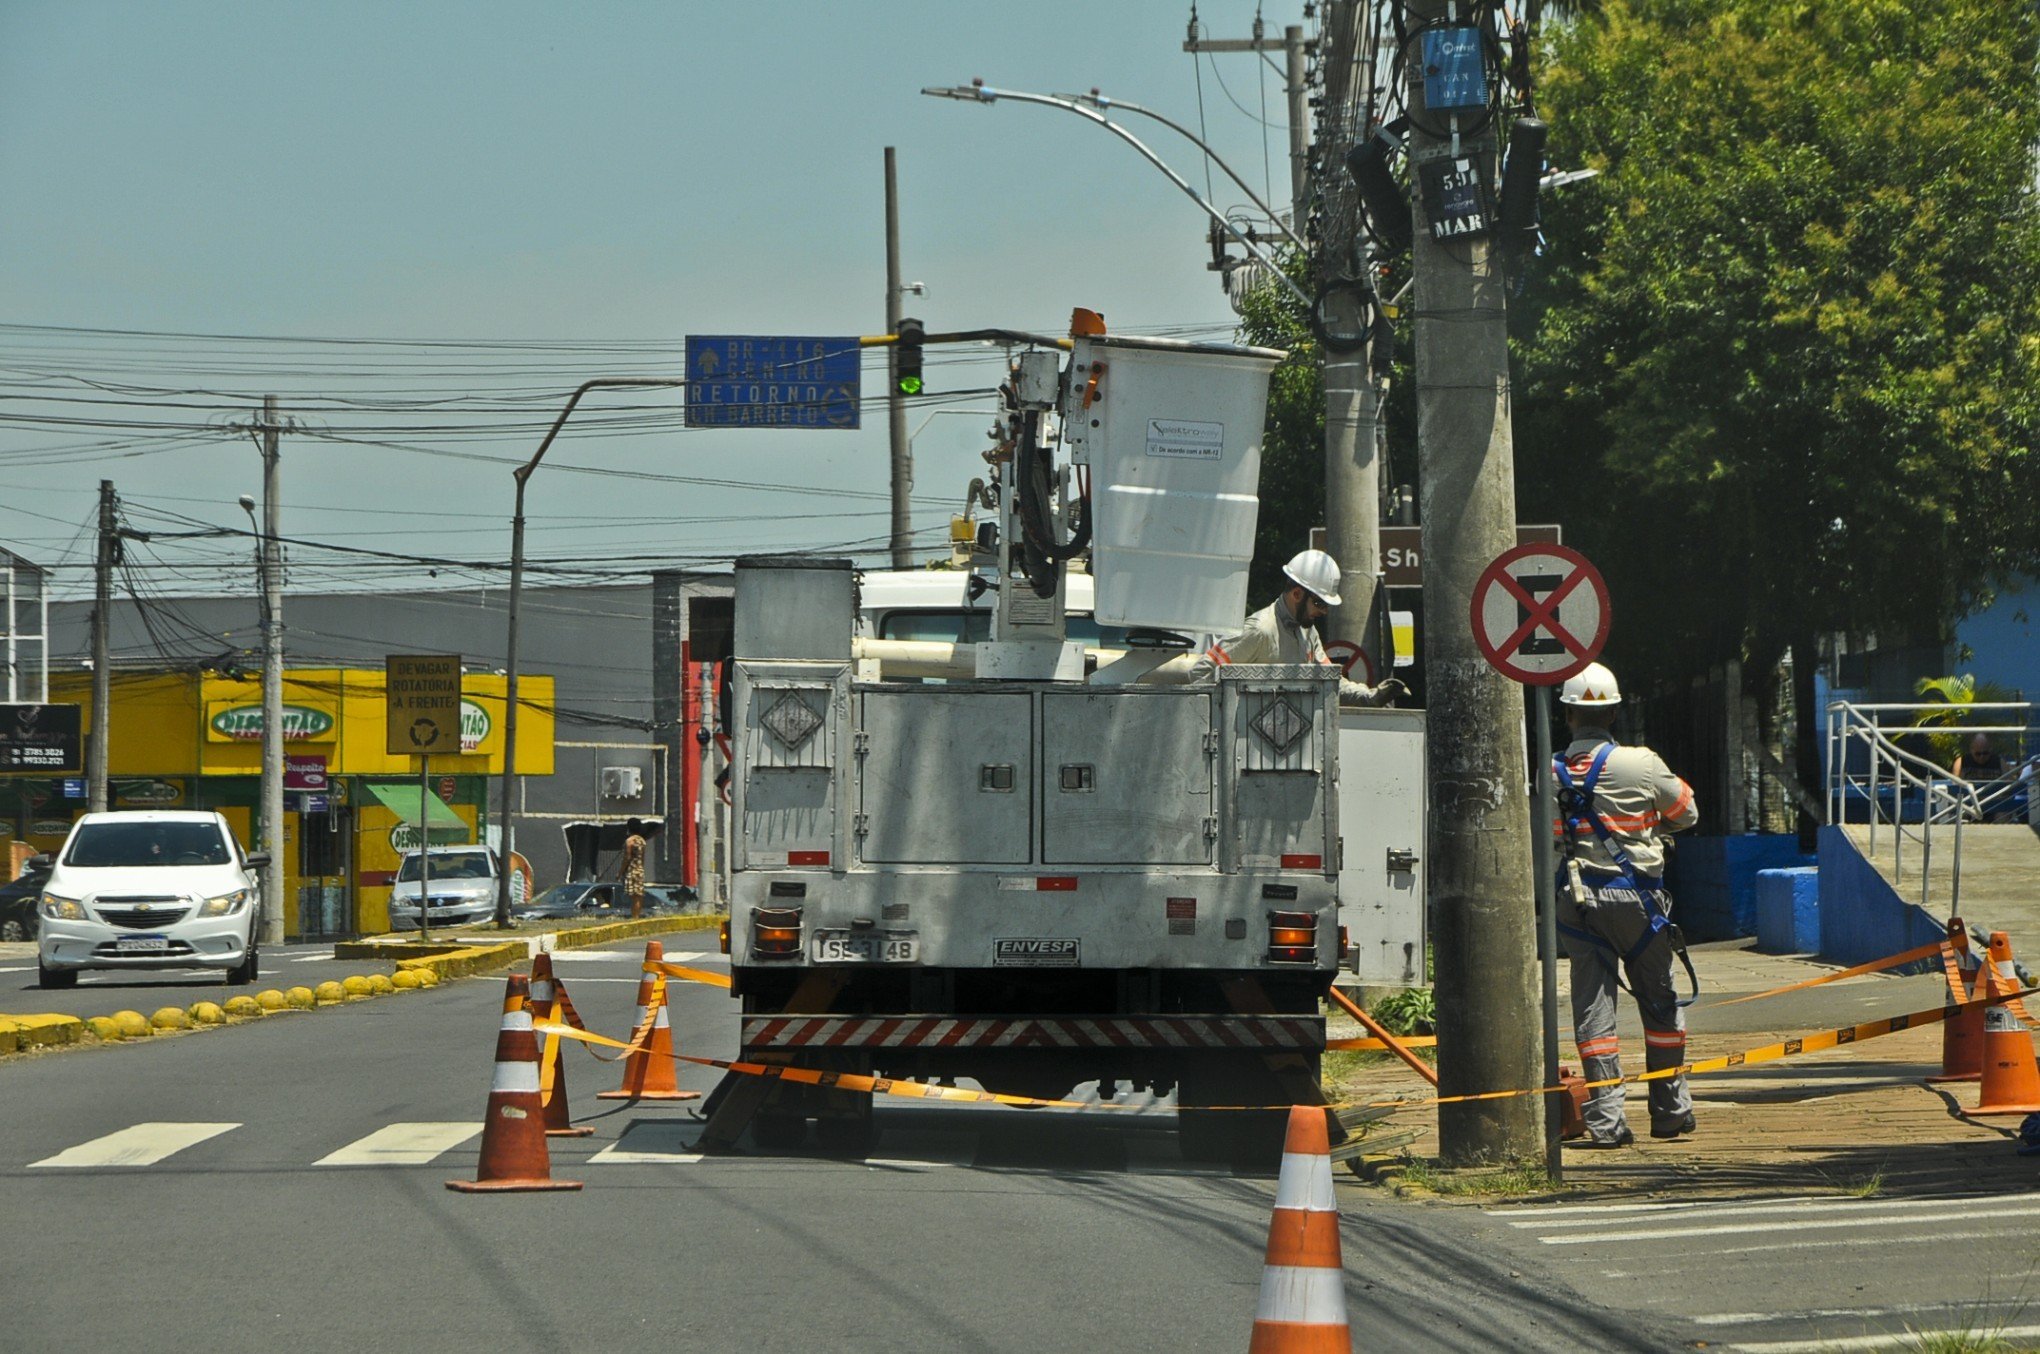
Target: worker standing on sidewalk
<point x="1285" y="631"/>
<point x="1614" y="804"/>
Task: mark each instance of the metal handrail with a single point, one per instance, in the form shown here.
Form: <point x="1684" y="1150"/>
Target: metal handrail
<point x="1946" y="800"/>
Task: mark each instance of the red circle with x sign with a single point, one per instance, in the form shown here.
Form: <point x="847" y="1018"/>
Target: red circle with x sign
<point x="1540" y="613"/>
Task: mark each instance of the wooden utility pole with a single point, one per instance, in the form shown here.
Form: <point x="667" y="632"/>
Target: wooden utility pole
<point x="896" y="404"/>
<point x="102" y="677"/>
<point x="1481" y="901"/>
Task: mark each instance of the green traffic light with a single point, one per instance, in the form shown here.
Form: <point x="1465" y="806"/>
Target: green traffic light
<point x="910" y="385"/>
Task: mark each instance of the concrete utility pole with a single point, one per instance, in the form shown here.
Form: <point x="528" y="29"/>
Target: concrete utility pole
<point x="1352" y="396"/>
<point x="896" y="405"/>
<point x="272" y="677"/>
<point x="1352" y="400"/>
<point x="102" y="677"/>
<point x="1482" y="909"/>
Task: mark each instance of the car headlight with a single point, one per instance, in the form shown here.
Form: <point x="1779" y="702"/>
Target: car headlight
<point x="59" y="908"/>
<point x="225" y="905"/>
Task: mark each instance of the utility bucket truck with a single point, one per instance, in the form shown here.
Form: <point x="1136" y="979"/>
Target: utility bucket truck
<point x="1032" y="861"/>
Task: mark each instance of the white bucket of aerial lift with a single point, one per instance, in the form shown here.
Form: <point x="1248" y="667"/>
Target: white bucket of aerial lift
<point x="1172" y="434"/>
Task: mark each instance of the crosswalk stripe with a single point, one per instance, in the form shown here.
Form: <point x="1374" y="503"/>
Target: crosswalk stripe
<point x="2006" y="1210"/>
<point x="137" y="1145"/>
<point x="1807" y="1206"/>
<point x="401" y="1145"/>
<point x="1907" y="1340"/>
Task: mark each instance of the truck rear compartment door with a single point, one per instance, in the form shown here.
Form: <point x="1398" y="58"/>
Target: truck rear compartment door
<point x="1126" y="777"/>
<point x="945" y="778"/>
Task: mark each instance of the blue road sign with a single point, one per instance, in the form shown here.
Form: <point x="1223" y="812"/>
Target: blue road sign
<point x="770" y="381"/>
<point x="74" y="787"/>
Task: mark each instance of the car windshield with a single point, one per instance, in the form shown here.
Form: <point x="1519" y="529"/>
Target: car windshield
<point x="116" y="845"/>
<point x="461" y="865"/>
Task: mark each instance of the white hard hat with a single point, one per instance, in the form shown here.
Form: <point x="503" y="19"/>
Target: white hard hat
<point x="1591" y="685"/>
<point x="1316" y="573"/>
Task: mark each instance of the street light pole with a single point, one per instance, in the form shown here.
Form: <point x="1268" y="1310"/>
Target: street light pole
<point x="523" y="475"/>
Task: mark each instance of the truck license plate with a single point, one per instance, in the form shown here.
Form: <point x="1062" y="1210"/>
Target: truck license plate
<point x="142" y="944"/>
<point x="867" y="947"/>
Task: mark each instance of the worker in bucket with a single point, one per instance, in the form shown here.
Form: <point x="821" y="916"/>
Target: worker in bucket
<point x="1615" y="804"/>
<point x="1285" y="631"/>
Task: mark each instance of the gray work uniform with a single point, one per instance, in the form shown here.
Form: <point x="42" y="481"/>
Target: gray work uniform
<point x="1273" y="635"/>
<point x="1637" y="798"/>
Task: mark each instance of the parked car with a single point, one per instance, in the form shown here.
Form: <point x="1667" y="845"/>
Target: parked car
<point x="150" y="889"/>
<point x="18" y="905"/>
<point x="460" y="891"/>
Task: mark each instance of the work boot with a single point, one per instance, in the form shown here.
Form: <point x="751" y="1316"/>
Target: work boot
<point x="1621" y="1138"/>
<point x="1672" y="1130"/>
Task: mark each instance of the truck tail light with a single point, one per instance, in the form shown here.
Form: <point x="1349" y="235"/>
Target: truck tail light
<point x="723" y="934"/>
<point x="1292" y="937"/>
<point x="775" y="932"/>
<point x="1345" y="945"/>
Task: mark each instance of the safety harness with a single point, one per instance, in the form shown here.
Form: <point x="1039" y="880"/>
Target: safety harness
<point x="1576" y="807"/>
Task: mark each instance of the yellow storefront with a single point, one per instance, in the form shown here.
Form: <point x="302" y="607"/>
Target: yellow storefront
<point x="183" y="740"/>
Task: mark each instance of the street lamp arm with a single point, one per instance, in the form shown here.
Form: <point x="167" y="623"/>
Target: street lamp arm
<point x="524" y="472"/>
<point x="1102" y="102"/>
<point x="979" y="93"/>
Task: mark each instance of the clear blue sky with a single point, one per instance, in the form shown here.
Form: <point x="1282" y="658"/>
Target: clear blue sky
<point x="594" y="180"/>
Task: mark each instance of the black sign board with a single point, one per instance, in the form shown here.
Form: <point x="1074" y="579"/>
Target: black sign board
<point x="42" y="738"/>
<point x="1455" y="197"/>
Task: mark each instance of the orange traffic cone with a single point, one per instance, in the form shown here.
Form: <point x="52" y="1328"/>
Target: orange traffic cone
<point x="513" y="1133"/>
<point x="649" y="1075"/>
<point x="2011" y="1078"/>
<point x="1303" y="1281"/>
<point x="545" y="1002"/>
<point x="1962" y="1030"/>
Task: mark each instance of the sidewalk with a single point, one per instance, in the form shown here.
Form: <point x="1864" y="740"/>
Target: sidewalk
<point x="1855" y="1119"/>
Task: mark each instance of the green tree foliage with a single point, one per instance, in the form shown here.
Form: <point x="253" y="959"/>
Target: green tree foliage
<point x="1779" y="372"/>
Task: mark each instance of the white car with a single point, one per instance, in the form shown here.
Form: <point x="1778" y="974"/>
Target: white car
<point x="460" y="892"/>
<point x="151" y="889"/>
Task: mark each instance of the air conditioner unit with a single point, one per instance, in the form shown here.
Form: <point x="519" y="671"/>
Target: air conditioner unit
<point x="622" y="782"/>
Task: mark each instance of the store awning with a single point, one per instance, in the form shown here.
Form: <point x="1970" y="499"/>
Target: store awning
<point x="402" y="800"/>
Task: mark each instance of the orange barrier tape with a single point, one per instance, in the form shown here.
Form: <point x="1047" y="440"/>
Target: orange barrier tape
<point x="918" y="1090"/>
<point x="692" y="975"/>
<point x="1909" y="956"/>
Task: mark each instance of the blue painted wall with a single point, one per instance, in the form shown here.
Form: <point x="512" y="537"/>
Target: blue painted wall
<point x="1861" y="916"/>
<point x="1714" y="881"/>
<point x="2003" y="639"/>
<point x="1788" y="910"/>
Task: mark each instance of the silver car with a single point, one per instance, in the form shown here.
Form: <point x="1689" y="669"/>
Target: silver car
<point x="461" y="890"/>
<point x="150" y="889"/>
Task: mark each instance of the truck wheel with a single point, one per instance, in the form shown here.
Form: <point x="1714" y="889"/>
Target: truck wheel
<point x="851" y="1135"/>
<point x="779" y="1132"/>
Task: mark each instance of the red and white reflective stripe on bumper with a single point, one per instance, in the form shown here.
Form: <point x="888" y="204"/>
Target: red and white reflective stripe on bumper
<point x="892" y="1031"/>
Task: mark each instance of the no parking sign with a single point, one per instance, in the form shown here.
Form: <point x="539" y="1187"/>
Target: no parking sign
<point x="1540" y="613"/>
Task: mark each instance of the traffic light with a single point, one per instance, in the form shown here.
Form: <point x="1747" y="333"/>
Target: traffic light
<point x="907" y="356"/>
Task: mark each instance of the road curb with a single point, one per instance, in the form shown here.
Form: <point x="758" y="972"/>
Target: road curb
<point x="38" y="1031"/>
<point x="21" y="1033"/>
<point x="459" y="961"/>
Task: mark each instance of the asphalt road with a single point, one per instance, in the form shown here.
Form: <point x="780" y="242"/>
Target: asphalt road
<point x="206" y="1192"/>
<point x="969" y="1229"/>
<point x="102" y="992"/>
